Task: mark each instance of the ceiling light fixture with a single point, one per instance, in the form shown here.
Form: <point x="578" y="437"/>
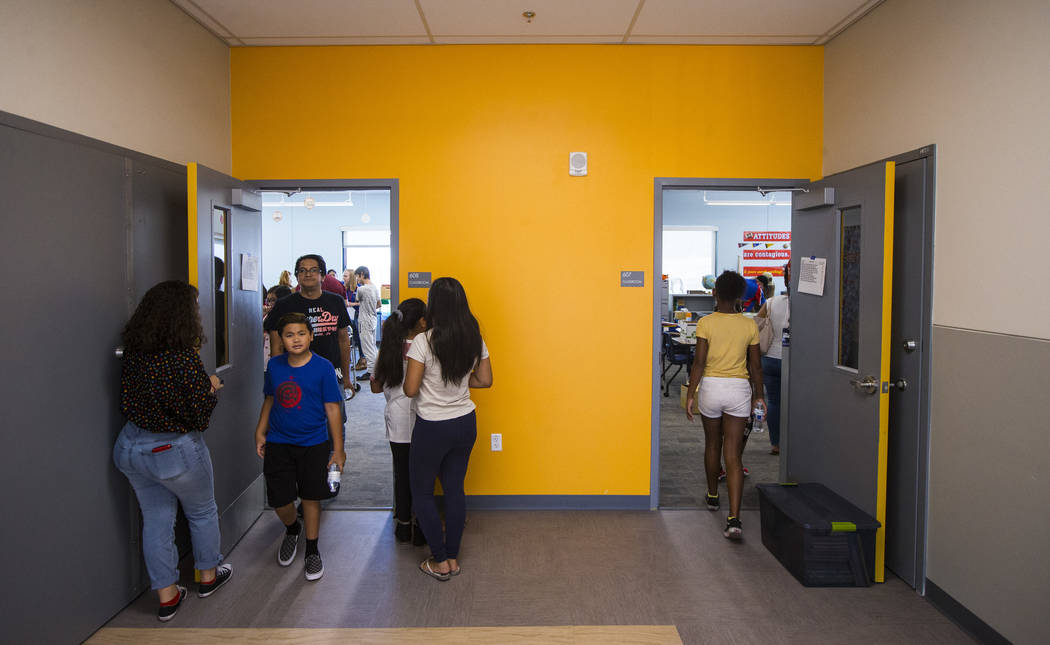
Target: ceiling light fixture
<point x="771" y="201"/>
<point x="528" y="15"/>
<point x="305" y="204"/>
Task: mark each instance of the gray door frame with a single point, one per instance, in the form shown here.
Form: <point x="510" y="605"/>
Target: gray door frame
<point x="929" y="153"/>
<point x="659" y="185"/>
<point x="390" y="184"/>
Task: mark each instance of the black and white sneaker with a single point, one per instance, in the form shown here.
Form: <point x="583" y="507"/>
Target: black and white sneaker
<point x="223" y="573"/>
<point x="712" y="502"/>
<point x="289" y="546"/>
<point x="734" y="529"/>
<point x="167" y="612"/>
<point x="314" y="566"/>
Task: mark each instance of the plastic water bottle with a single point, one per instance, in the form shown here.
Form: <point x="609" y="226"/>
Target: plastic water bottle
<point x="333" y="479"/>
<point x="759" y="414"/>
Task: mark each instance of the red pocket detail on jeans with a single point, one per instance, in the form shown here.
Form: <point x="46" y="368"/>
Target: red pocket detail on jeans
<point x="166" y="446"/>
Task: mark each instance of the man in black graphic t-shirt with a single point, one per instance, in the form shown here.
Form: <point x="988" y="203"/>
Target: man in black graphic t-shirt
<point x="326" y="312"/>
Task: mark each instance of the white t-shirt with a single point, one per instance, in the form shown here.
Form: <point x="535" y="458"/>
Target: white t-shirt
<point x="778" y="309"/>
<point x="368" y="297"/>
<point x="400" y="412"/>
<point x="437" y="401"/>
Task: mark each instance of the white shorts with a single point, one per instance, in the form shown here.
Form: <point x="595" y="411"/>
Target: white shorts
<point x="721" y="395"/>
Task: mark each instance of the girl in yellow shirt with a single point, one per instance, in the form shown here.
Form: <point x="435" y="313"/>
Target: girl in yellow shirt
<point x="727" y="358"/>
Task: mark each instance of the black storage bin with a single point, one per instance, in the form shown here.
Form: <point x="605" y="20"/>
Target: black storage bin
<point x="822" y="539"/>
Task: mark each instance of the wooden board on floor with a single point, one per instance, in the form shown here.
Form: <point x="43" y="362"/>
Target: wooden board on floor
<point x="568" y="635"/>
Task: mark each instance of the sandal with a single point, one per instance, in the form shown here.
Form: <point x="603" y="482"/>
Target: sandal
<point x="425" y="567"/>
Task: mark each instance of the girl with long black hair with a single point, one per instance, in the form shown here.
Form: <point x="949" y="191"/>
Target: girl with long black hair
<point x="443" y="364"/>
<point x="399" y="330"/>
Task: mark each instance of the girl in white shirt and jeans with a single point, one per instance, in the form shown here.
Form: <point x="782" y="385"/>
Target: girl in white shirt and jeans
<point x="443" y="364"/>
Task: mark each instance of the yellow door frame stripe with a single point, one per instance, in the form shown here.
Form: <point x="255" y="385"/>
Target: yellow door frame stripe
<point x="884" y="372"/>
<point x="191" y="222"/>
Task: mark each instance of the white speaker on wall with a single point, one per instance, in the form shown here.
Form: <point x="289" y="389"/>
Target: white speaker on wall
<point x="577" y="164"/>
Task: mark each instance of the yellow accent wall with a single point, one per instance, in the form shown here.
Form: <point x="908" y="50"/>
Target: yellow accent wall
<point x="479" y="137"/>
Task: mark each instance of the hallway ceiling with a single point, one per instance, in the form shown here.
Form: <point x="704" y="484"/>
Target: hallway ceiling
<point x="245" y="23"/>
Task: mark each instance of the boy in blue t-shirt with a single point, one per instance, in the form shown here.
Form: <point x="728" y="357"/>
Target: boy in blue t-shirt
<point x="301" y="411"/>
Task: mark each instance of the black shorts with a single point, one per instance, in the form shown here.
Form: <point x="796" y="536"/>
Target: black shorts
<point x="296" y="471"/>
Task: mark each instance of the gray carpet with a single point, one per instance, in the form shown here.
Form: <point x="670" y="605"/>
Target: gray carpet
<point x="682" y="479"/>
<point x="368" y="480"/>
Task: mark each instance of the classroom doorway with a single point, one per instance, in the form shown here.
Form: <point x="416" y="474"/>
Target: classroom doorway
<point x="706" y="228"/>
<point x="350" y="223"/>
<point x="899" y="268"/>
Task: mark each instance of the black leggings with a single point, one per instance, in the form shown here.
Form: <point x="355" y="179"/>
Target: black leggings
<point x="402" y="485"/>
<point x="441" y="449"/>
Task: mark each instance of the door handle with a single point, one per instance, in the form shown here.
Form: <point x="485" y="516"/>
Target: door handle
<point x="119" y="352"/>
<point x="867" y="385"/>
<point x="900" y="384"/>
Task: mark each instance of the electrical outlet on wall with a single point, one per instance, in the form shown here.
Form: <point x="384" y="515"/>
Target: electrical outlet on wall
<point x="497" y="442"/>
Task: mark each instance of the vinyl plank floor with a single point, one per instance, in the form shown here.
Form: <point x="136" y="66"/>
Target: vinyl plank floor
<point x="544" y="569"/>
<point x="568" y="635"/>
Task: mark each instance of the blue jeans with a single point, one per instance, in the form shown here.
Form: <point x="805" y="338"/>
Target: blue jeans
<point x="161" y="479"/>
<point x="771" y="384"/>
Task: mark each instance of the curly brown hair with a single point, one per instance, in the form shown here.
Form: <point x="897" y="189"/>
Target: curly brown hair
<point x="168" y="317"/>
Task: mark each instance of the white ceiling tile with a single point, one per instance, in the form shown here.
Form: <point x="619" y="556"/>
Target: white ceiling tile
<point x="480" y="18"/>
<point x="326" y="41"/>
<point x="315" y="18"/>
<point x="743" y="17"/>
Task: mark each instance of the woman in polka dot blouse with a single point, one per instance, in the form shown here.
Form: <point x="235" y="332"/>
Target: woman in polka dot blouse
<point x="167" y="399"/>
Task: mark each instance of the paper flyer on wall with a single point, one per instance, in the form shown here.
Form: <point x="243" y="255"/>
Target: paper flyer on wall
<point x="811" y="275"/>
<point x="249" y="273"/>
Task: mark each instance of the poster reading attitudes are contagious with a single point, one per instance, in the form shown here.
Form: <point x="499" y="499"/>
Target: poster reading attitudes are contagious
<point x="764" y="252"/>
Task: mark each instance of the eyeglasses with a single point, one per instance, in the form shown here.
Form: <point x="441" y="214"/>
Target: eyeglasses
<point x="309" y="271"/>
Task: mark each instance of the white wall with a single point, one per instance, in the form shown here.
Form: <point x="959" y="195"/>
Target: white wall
<point x="973" y="77"/>
<point x="136" y="73"/>
<point x="317" y="230"/>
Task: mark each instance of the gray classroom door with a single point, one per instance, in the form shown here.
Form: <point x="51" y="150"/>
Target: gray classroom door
<point x="225" y="223"/>
<point x="88" y="228"/>
<point x="838" y="402"/>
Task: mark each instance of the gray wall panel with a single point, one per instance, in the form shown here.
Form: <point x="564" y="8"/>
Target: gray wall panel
<point x="159" y="236"/>
<point x="989" y="482"/>
<point x="71" y="508"/>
